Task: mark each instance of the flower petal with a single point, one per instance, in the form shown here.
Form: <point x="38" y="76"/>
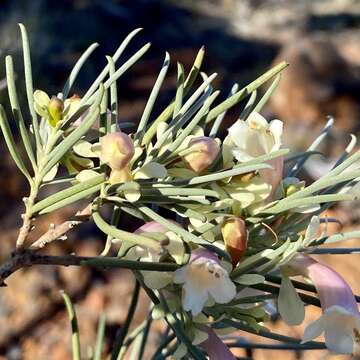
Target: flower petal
<point x="276" y="129"/>
<point x="223" y="290"/>
<point x="338" y="340"/>
<point x="179" y="275"/>
<point x="291" y="308"/>
<point x="194" y="299"/>
<point x="156" y="280"/>
<point x="313" y="330"/>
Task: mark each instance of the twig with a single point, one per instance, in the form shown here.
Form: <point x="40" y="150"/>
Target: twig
<point x="19" y="260"/>
<point x="59" y="231"/>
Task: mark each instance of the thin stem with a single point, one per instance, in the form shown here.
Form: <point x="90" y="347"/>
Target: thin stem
<point x="166" y="341"/>
<point x="120" y="337"/>
<point x="100" y="337"/>
<point x="275" y="290"/>
<point x="144" y="337"/>
<point x="75" y="339"/>
<point x="269" y="334"/>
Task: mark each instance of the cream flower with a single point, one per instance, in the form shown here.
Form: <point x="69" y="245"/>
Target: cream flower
<point x="255" y="137"/>
<point x="340" y="321"/>
<point x="203" y="278"/>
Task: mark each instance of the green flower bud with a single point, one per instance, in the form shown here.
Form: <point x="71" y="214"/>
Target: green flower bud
<point x="55" y="108"/>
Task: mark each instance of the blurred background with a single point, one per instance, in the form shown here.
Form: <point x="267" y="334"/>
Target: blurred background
<point x="243" y="38"/>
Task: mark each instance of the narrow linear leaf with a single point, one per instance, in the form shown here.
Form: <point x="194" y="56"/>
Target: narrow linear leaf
<point x="219" y="119"/>
<point x="124" y="235"/>
<point x="324" y="133"/>
<point x="233" y="100"/>
<point x="126" y="66"/>
<point x="10" y="142"/>
<point x="187" y="131"/>
<point x="295" y="203"/>
<point x="339" y="237"/>
<point x="267" y="94"/>
<point x="71" y="199"/>
<point x="227" y="173"/>
<point x="179" y="90"/>
<point x="204" y="87"/>
<point x="63" y="194"/>
<point x="153" y="96"/>
<point x="260" y="258"/>
<point x="76" y="69"/>
<point x="249" y="106"/>
<point x="29" y="84"/>
<point x="166" y="114"/>
<point x="323" y="183"/>
<point x="24" y="132"/>
<point x="113" y="98"/>
<point x="263" y="158"/>
<point x="119" y="72"/>
<point x="168" y="191"/>
<point x="115" y="58"/>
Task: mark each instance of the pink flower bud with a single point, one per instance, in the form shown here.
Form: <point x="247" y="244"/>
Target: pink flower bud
<point x="235" y="238"/>
<point x="204" y="152"/>
<point x="117" y="149"/>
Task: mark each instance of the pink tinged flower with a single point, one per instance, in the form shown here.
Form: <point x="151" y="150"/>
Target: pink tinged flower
<point x="155" y="279"/>
<point x="273" y="176"/>
<point x="204" y="278"/>
<point x="340" y="321"/>
<point x="214" y="347"/>
<point x="203" y="154"/>
<point x="117" y="149"/>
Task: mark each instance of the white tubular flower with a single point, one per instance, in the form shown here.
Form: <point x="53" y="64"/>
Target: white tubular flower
<point x="255" y="137"/>
<point x="203" y="278"/>
<point x="340" y="321"/>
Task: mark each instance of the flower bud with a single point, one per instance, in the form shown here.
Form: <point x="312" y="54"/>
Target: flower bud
<point x="117" y="149"/>
<point x="55" y="108"/>
<point x="235" y="238"/>
<point x="203" y="154"/>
